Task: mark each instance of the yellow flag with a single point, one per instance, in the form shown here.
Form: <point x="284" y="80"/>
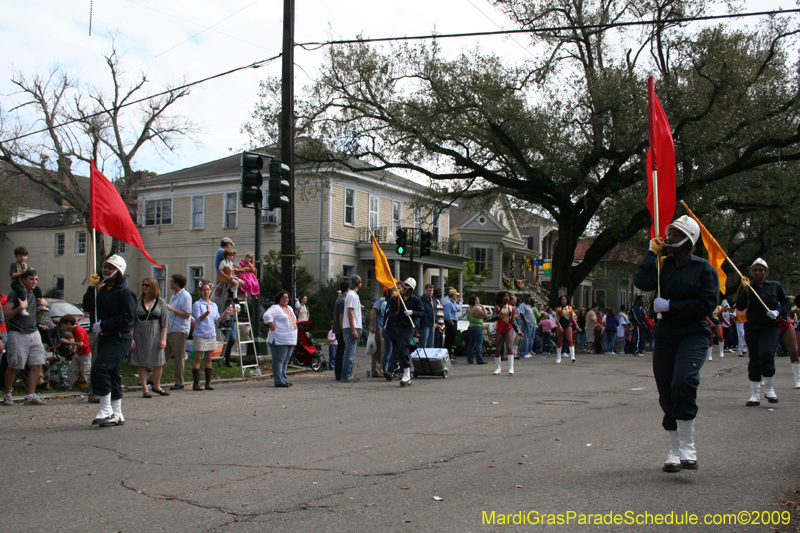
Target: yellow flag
<point x="382" y="271"/>
<point x="715" y="254"/>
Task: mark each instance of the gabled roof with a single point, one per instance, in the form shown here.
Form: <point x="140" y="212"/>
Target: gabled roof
<point x="34" y="196"/>
<point x="66" y="218"/>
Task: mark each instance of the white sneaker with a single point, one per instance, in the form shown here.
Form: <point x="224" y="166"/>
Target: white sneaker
<point x="34" y="400"/>
<point x="8" y="400"/>
<point x="527" y="356"/>
<point x="24" y="312"/>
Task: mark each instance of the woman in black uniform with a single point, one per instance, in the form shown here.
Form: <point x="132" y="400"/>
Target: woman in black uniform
<point x="114" y="314"/>
<point x="762" y="329"/>
<point x="689" y="293"/>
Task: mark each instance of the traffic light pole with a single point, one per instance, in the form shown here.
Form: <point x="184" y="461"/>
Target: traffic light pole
<point x="257" y="305"/>
<point x="287" y="150"/>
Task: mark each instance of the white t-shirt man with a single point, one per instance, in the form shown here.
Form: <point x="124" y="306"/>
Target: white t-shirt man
<point x="352" y="301"/>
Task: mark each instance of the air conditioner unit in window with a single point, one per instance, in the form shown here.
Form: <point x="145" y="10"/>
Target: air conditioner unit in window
<point x="271" y="217"/>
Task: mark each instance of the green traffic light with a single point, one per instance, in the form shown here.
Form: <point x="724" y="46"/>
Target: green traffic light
<point x="401" y="250"/>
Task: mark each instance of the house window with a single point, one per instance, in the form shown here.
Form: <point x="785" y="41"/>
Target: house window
<point x="122" y="248"/>
<point x="397" y="216"/>
<point x="481" y="257"/>
<point x="417" y="217"/>
<point x="349" y="207"/>
<point x="435" y="229"/>
<point x="373" y="212"/>
<point x="348" y="270"/>
<point x="600" y="298"/>
<point x="198" y="212"/>
<point x="80" y="243"/>
<point x="160" y="275"/>
<point x="58" y="285"/>
<point x="195" y="276"/>
<point x="158" y="212"/>
<point x="623" y="298"/>
<point x="231" y="209"/>
<point x="59" y="244"/>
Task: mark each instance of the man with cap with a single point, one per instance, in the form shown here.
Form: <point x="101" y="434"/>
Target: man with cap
<point x="689" y="293"/>
<point x="407" y="308"/>
<point x="452" y="306"/>
<point x="351" y="325"/>
<point x="763" y="328"/>
<point x="114" y="313"/>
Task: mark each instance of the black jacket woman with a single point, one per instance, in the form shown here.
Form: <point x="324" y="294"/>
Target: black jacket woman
<point x="762" y="329"/>
<point x="689" y="291"/>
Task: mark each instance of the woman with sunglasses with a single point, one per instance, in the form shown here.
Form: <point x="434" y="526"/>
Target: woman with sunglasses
<point x="204" y="340"/>
<point x="150" y="336"/>
<point x="282" y="337"/>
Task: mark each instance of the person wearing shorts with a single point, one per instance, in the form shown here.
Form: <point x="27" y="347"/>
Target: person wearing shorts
<point x="24" y="342"/>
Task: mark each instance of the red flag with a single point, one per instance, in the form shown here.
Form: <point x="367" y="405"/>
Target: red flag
<point x="660" y="159"/>
<point x="110" y="215"/>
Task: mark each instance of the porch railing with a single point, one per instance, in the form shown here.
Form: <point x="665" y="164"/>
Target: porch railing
<point x="387" y="236"/>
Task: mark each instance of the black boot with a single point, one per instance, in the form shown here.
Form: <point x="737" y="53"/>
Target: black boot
<point x="208" y="379"/>
<point x="196" y="376"/>
<point x="227" y="357"/>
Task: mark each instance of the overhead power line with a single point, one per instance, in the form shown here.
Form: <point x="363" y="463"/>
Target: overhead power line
<point x="254" y="65"/>
<point x="317" y="45"/>
<point x="320" y="44"/>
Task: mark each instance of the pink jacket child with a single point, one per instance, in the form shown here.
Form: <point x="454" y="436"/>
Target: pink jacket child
<point x="546" y="325"/>
<point x="247" y="275"/>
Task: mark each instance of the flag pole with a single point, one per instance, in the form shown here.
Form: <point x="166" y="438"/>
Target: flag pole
<point x="727" y="258"/>
<point x="657" y="235"/>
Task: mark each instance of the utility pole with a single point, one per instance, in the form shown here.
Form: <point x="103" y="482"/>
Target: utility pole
<point x="287" y="150"/>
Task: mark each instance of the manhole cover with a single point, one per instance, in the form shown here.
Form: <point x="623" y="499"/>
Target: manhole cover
<point x="560" y="402"/>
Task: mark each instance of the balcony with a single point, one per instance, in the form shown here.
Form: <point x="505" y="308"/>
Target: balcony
<point x="387" y="236"/>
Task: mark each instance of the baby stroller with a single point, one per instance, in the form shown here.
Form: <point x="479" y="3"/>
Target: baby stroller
<point x="308" y="351"/>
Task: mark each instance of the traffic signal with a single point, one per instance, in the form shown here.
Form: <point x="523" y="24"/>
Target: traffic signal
<point x="279" y="186"/>
<point x="402" y="241"/>
<point x="425" y="243"/>
<point x="251" y="178"/>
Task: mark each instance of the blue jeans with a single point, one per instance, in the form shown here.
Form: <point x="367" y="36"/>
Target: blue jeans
<point x="281" y="353"/>
<point x="526" y="344"/>
<point x="582" y="337"/>
<point x="387" y="351"/>
<point x="609" y="341"/>
<point x="545" y="342"/>
<point x="426" y="337"/>
<point x="331" y="356"/>
<point x="350" y="347"/>
<point x="475" y="344"/>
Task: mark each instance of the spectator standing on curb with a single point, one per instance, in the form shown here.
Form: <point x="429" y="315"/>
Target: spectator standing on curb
<point x="116" y="305"/>
<point x="204" y="341"/>
<point x="591" y="328"/>
<point x="282" y="337"/>
<point x="338" y="320"/>
<point x="376" y="319"/>
<point x="351" y="325"/>
<point x="439" y="331"/>
<point x="17" y="268"/>
<point x="179" y="325"/>
<point x="451" y="306"/>
<point x="150" y="336"/>
<point x="638" y="320"/>
<point x="528" y="326"/>
<point x="427" y="318"/>
<point x="24" y="342"/>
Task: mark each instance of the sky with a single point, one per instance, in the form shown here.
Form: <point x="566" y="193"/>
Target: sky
<point x="173" y="40"/>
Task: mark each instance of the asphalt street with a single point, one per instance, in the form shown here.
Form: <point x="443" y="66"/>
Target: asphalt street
<point x="441" y="455"/>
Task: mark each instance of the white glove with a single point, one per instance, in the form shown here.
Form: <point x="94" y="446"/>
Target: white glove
<point x="773" y="315"/>
<point x="409" y="312"/>
<point x="96" y="327"/>
<point x="660" y="305"/>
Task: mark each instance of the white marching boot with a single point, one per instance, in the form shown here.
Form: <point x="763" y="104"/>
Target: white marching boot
<point x="769" y="392"/>
<point x="116" y="405"/>
<point x="796" y="372"/>
<point x="687" y="449"/>
<point x="572" y="353"/>
<point x="721" y="350"/>
<point x="497" y="369"/>
<point x="105" y="411"/>
<point x="558" y="355"/>
<point x="755" y="394"/>
<point x="708" y="354"/>
<point x="673" y="462"/>
<point x="405" y="381"/>
<point x="511" y="365"/>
